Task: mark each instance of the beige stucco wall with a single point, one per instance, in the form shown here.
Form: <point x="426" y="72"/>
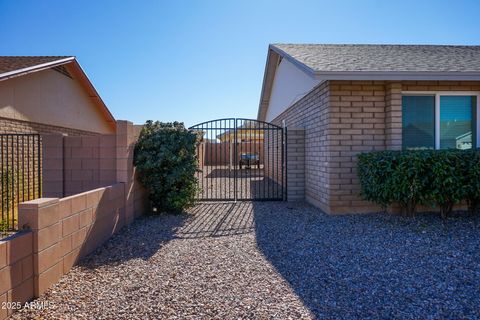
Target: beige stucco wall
<point x="50" y="97"/>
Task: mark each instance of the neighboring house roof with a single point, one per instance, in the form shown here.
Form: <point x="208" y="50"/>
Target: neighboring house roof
<point x="15" y="66"/>
<point x="372" y="62"/>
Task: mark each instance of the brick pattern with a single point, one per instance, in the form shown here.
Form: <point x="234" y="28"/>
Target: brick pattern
<point x="16" y="270"/>
<point x="273" y="157"/>
<point x="357" y="119"/>
<point x="440" y="85"/>
<point x="295" y="159"/>
<point x="393" y="116"/>
<point x="136" y="197"/>
<point x="312" y="114"/>
<point x="344" y="118"/>
<point x="17" y="126"/>
<point x="64" y="230"/>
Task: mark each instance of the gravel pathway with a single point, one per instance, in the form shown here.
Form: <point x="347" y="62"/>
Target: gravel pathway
<point x="276" y="260"/>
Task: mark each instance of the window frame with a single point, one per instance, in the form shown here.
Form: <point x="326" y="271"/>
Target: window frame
<point x="437" y="95"/>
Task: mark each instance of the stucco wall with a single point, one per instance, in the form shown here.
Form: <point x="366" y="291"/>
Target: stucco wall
<point x="49" y="97"/>
<point x="290" y="85"/>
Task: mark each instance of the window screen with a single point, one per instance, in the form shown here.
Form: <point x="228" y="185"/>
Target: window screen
<point x="456" y="122"/>
<point x="418" y="122"/>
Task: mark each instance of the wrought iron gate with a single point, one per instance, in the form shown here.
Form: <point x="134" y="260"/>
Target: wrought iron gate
<point x="240" y="159"/>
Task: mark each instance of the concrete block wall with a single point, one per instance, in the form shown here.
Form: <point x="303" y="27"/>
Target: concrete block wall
<point x="59" y="229"/>
<point x="73" y="164"/>
<point x="273" y="156"/>
<point x="16" y="272"/>
<point x="295" y="160"/>
<point x="64" y="230"/>
<point x="311" y="113"/>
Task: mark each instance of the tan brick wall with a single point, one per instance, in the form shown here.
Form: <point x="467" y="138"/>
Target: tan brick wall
<point x="344" y="118"/>
<point x="295" y="160"/>
<point x="64" y="230"/>
<point x="357" y="122"/>
<point x="16" y="271"/>
<point x="18" y="126"/>
<point x="312" y="114"/>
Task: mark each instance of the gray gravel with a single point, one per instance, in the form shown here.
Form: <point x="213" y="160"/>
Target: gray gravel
<point x="276" y="260"/>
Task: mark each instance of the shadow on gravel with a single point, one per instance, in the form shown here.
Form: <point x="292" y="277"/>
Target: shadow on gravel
<point x="142" y="239"/>
<point x="217" y="220"/>
<point x="376" y="265"/>
<point x="147" y="235"/>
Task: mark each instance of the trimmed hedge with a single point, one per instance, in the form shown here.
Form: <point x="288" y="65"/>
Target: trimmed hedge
<point x="440" y="178"/>
<point x="166" y="163"/>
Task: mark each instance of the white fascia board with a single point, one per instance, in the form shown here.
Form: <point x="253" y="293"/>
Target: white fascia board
<point x="38" y="67"/>
<point x="397" y="75"/>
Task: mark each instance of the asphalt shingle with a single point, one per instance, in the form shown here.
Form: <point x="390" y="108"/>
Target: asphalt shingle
<point x="12" y="63"/>
<point x="384" y="58"/>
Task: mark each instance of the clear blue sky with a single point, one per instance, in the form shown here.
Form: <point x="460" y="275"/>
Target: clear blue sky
<point x="199" y="60"/>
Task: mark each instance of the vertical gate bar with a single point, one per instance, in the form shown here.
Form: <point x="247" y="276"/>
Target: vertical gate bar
<point x="17" y="160"/>
<point x="222" y="156"/>
<point x="7" y="184"/>
<point x="235" y="160"/>
<point x="222" y="172"/>
<point x="28" y="166"/>
<point x="209" y="186"/>
<point x="262" y="147"/>
<point x="3" y="173"/>
<point x="197" y="174"/>
<point x="201" y="175"/>
<point x="216" y="158"/>
<point x="225" y="160"/>
<point x="285" y="159"/>
<point x="39" y="166"/>
<point x="276" y="166"/>
<point x="33" y="163"/>
<point x="12" y="170"/>
<point x="201" y="192"/>
<point x="242" y="150"/>
<point x="23" y="168"/>
<point x="255" y="174"/>
<point x="266" y="151"/>
<point x="253" y="192"/>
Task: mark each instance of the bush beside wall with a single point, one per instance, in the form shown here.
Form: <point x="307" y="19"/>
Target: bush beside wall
<point x="438" y="178"/>
<point x="166" y="164"/>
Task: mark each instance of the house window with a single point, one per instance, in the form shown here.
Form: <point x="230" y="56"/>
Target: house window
<point x="418" y="122"/>
<point x="439" y="120"/>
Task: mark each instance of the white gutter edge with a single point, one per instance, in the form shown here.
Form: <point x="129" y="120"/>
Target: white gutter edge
<point x="9" y="74"/>
<point x="397" y="75"/>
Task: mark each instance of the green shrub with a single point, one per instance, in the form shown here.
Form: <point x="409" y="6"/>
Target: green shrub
<point x="410" y="178"/>
<point x="471" y="163"/>
<point x="166" y="163"/>
<point x="375" y="169"/>
<point x="389" y="177"/>
<point x="448" y="179"/>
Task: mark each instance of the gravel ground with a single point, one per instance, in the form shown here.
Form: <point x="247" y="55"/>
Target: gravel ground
<point x="276" y="260"/>
<point x="252" y="183"/>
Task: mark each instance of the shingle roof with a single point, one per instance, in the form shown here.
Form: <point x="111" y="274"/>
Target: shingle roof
<point x="383" y="58"/>
<point x="13" y="66"/>
<point x="12" y="63"/>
